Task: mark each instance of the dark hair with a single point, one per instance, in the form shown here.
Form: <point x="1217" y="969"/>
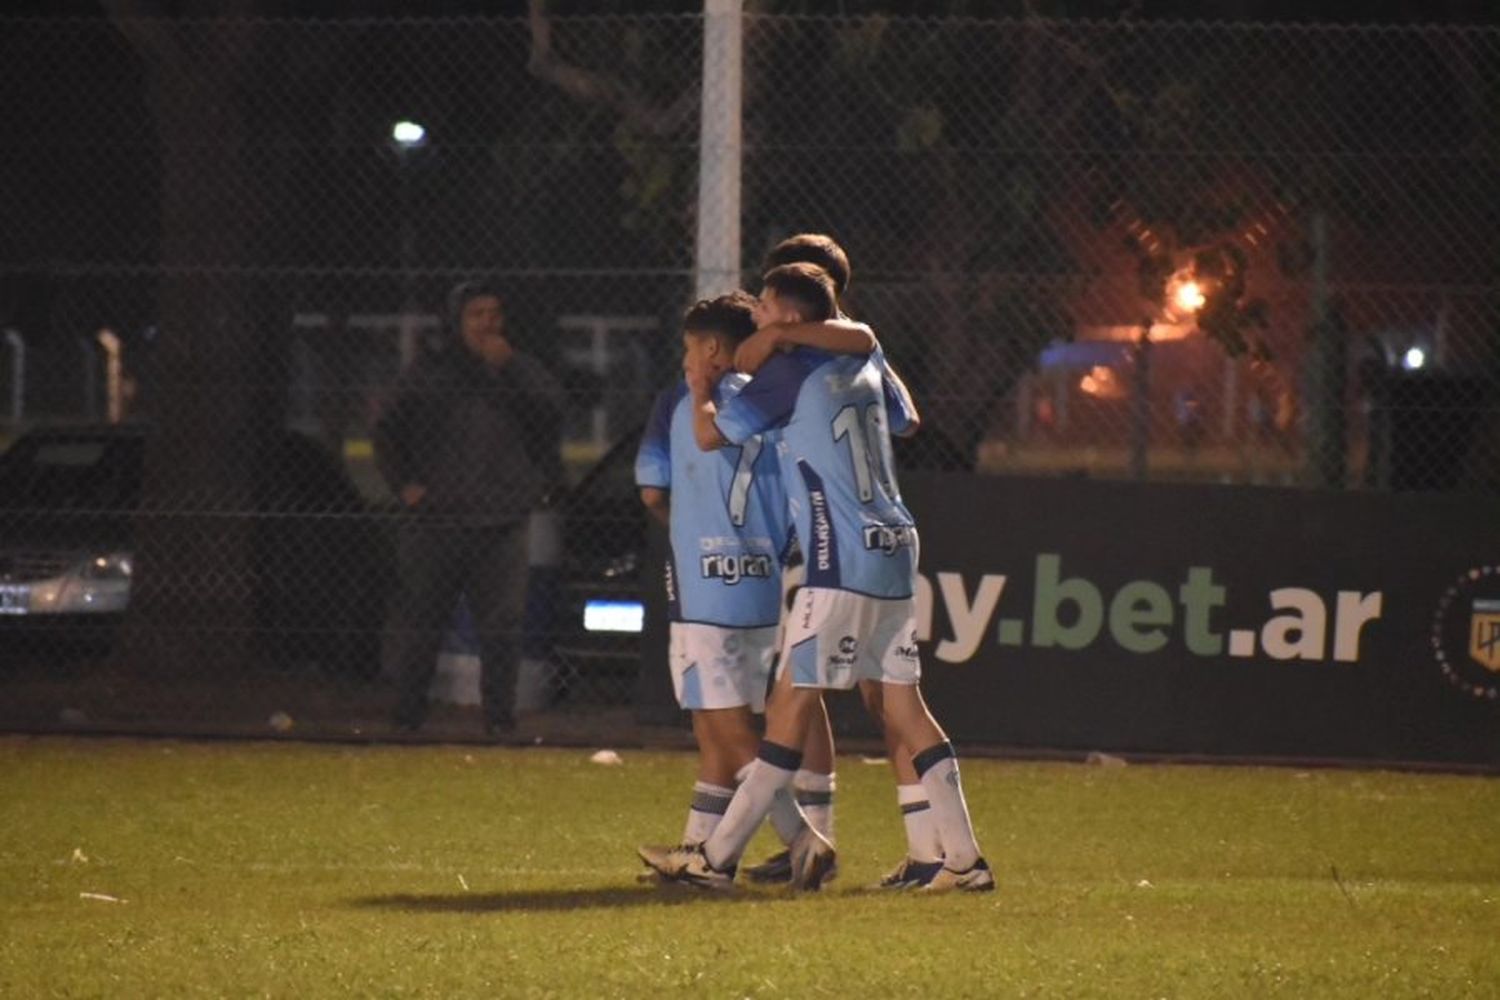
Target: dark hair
<point x="730" y="316"/>
<point x="814" y="248"/>
<point x="806" y="286"/>
<point x="461" y="294"/>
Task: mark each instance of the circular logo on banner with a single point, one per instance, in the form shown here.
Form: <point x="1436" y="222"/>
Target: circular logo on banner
<point x="1466" y="633"/>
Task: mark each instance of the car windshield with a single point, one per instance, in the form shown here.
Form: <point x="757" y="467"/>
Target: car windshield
<point x="71" y="473"/>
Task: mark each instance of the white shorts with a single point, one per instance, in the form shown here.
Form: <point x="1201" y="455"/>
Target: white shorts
<point x="716" y="666"/>
<point x="835" y="638"/>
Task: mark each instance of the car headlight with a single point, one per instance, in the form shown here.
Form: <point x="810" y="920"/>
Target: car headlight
<point x="623" y="566"/>
<point x="111" y="566"/>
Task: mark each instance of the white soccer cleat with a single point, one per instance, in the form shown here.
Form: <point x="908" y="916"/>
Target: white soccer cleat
<point x="814" y="860"/>
<point x="687" y="865"/>
<point x="976" y="878"/>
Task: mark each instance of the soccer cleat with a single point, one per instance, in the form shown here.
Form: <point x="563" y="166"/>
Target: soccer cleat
<point x="814" y="861"/>
<point x="775" y="869"/>
<point x="910" y="874"/>
<point x="687" y="865"/>
<point x="976" y="878"/>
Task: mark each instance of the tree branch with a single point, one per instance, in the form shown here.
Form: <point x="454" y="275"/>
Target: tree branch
<point x="597" y="88"/>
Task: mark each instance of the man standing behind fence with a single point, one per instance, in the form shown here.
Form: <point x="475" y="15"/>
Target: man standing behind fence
<point x="469" y="446"/>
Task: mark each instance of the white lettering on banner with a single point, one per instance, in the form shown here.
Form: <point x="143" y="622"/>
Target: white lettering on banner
<point x="1141" y="617"/>
<point x="1310" y="625"/>
<point x="1355" y="610"/>
<point x="970" y="620"/>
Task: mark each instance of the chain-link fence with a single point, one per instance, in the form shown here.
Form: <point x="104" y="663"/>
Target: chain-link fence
<point x="1241" y="254"/>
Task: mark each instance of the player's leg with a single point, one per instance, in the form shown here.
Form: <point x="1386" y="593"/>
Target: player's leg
<point x="787" y="815"/>
<point x="924" y="849"/>
<point x="936" y="766"/>
<point x="821" y="636"/>
<point x="913" y="727"/>
<point x="726" y="744"/>
<point x="719" y="676"/>
<point x="712" y="865"/>
<point x="788" y="713"/>
<point x="814" y="784"/>
<point x="811" y="648"/>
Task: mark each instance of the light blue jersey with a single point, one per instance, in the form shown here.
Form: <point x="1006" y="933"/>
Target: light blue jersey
<point x="834" y="413"/>
<point x="729" y="522"/>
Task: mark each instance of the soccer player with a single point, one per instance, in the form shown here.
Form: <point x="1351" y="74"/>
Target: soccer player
<point x="856" y="615"/>
<point x="924" y="851"/>
<point x="728" y="522"/>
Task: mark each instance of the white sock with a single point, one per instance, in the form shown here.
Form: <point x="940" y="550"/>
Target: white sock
<point x="786" y="819"/>
<point x="709" y="803"/>
<point x="771" y="772"/>
<point x="814" y="793"/>
<point x="938" y="769"/>
<point x="922" y="843"/>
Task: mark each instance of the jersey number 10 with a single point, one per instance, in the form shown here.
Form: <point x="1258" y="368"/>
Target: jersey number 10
<point x="868" y="450"/>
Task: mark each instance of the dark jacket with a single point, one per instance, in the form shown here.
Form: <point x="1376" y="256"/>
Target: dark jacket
<point x="484" y="443"/>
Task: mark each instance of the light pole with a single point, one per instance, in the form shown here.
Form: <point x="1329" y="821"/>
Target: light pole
<point x="720" y="145"/>
<point x="407" y="137"/>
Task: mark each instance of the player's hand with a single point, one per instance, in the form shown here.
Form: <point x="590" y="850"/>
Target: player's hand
<point x="755" y="350"/>
<point x="496" y="351"/>
<point x="701" y="379"/>
<point x="412" y="494"/>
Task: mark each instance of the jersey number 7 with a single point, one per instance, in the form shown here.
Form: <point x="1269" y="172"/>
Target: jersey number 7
<point x="744" y="475"/>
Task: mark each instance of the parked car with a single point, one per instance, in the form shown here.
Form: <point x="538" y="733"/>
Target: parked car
<point x="319" y="560"/>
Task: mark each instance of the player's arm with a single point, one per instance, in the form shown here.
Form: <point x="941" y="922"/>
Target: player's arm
<point x="658" y="502"/>
<point x="766" y="401"/>
<point x="705" y="415"/>
<point x="901" y="408"/>
<point x="836" y="336"/>
<point x="653" y="458"/>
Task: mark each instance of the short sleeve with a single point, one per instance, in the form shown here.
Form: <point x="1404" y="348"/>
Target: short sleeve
<point x="766" y="401"/>
<point x="898" y="405"/>
<point x="653" y="460"/>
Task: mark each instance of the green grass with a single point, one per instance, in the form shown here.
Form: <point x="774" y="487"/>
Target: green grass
<point x="295" y="871"/>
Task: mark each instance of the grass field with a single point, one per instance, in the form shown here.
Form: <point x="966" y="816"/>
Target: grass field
<point x="287" y="870"/>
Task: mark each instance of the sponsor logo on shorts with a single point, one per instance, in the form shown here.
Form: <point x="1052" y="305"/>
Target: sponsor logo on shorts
<point x="908" y="650"/>
<point x="889" y="538"/>
<point x="848" y="649"/>
<point x="734" y="568"/>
